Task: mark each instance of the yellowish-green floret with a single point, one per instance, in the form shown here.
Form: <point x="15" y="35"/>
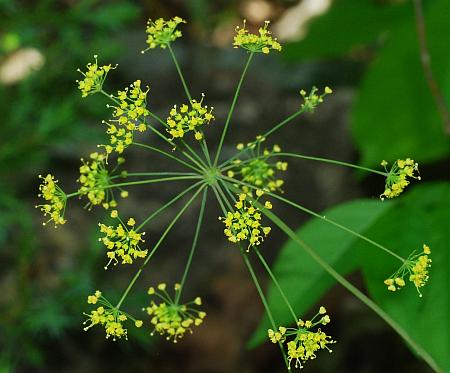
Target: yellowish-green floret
<point x="55" y="200"/>
<point x="108" y="316"/>
<point x="94" y="78"/>
<point x="313" y="99"/>
<point x="171" y="318"/>
<point x="301" y="342"/>
<point x="122" y="241"/>
<point x="414" y="269"/>
<point x="189" y="117"/>
<point x="244" y="224"/>
<point x="397" y="177"/>
<point x="129" y="115"/>
<point x="96" y="182"/>
<point x="259" y="169"/>
<point x="160" y="33"/>
<point x="262" y="42"/>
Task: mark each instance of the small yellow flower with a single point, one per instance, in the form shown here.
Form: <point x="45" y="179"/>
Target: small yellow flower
<point x="95" y="181"/>
<point x="258" y="170"/>
<point x="397" y="177"/>
<point x="244" y="224"/>
<point x="161" y="32"/>
<point x="305" y="342"/>
<point x="55" y="200"/>
<point x="109" y="317"/>
<point x="312" y="100"/>
<point x="170" y="318"/>
<point x="122" y="242"/>
<point x="415" y="269"/>
<point x="189" y="118"/>
<point x="94" y="78"/>
<point x="262" y="43"/>
<point x="129" y="116"/>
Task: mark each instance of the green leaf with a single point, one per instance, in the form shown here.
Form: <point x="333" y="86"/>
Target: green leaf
<point x="422" y="216"/>
<point x="394" y="106"/>
<point x="304" y="281"/>
<point x="348" y="24"/>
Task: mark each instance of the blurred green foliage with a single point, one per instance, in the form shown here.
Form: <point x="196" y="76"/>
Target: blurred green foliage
<point x="394" y="115"/>
<point x="43" y="114"/>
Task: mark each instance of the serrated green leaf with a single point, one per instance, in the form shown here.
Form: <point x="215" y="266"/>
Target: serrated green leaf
<point x="302" y="280"/>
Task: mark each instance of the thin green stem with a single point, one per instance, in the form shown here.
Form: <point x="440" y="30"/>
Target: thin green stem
<point x="135" y="174"/>
<point x="172" y="223"/>
<point x="275" y="128"/>
<point x="109" y="96"/>
<point x="194" y="245"/>
<point x="198" y="163"/>
<point x="195" y="168"/>
<point x="230" y="112"/>
<point x="194" y="153"/>
<point x="352" y="289"/>
<point x="205" y="150"/>
<point x="140" y="182"/>
<point x="174" y="58"/>
<point x="321" y="217"/>
<point x="326" y="160"/>
<point x="165" y="206"/>
<point x="275" y="282"/>
<point x="264" y="302"/>
<point x="283" y="122"/>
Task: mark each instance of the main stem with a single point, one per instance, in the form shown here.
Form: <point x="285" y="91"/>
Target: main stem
<point x="230" y="112"/>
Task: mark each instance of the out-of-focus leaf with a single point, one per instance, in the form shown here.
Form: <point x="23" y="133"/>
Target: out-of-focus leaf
<point x="348" y="24"/>
<point x="395" y="115"/>
<point x="422" y="216"/>
<point x="304" y="281"/>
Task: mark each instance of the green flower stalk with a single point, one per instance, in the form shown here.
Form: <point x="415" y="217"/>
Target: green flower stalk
<point x="245" y="187"/>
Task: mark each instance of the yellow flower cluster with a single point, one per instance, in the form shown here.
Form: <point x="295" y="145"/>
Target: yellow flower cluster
<point x="122" y="241"/>
<point x="415" y="268"/>
<point x="396" y="180"/>
<point x="312" y="100"/>
<point x="257" y="170"/>
<point x="96" y="182"/>
<point x="189" y="118"/>
<point x="55" y="200"/>
<point x="129" y="116"/>
<point x="94" y="78"/>
<point x="108" y="316"/>
<point x="170" y="318"/>
<point x="244" y="224"/>
<point x="261" y="43"/>
<point x="306" y="342"/>
<point x="161" y="32"/>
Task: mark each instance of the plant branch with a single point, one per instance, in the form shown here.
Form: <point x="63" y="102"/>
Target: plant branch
<point x="230" y="112"/>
